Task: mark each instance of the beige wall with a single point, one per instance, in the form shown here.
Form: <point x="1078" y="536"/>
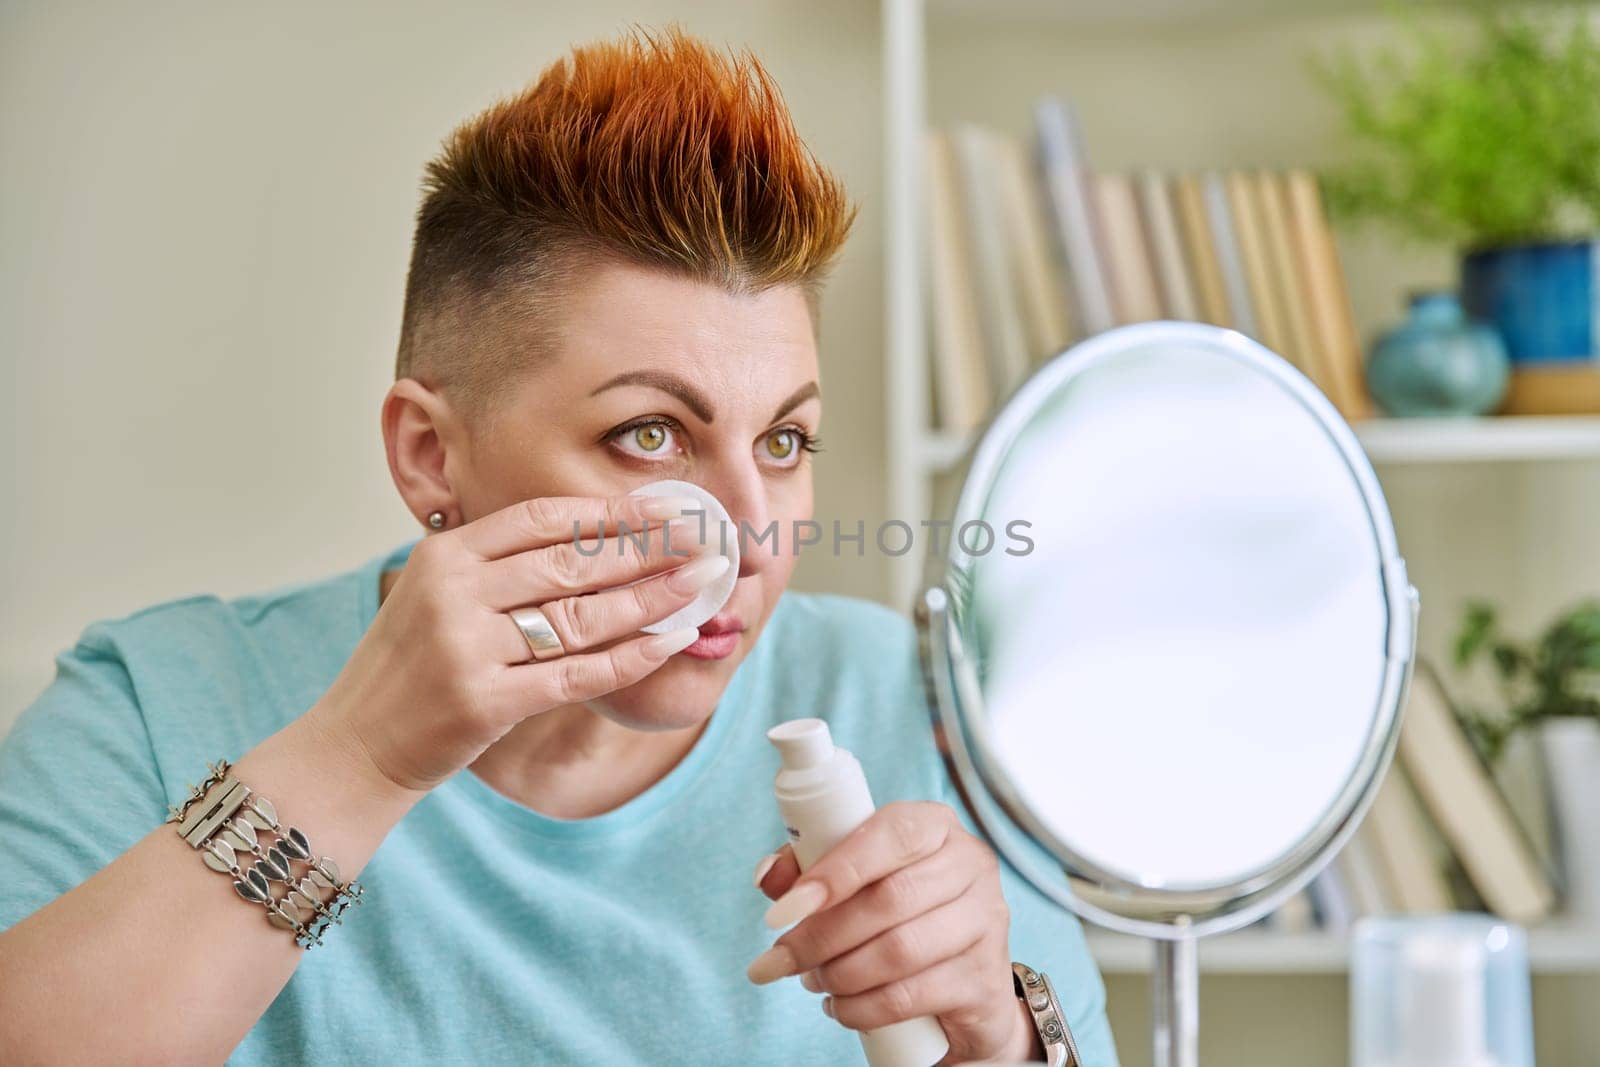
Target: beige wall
<point x="206" y="213"/>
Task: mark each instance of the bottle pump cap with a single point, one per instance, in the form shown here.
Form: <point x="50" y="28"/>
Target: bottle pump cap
<point x="802" y="743"/>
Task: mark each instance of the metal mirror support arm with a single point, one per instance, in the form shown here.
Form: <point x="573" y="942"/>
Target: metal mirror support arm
<point x="1175" y="1003"/>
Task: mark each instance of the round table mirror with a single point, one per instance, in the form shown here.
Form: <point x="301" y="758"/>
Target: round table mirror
<point x="1169" y="640"/>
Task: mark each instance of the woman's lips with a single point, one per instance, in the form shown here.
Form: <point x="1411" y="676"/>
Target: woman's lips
<point x="719" y="636"/>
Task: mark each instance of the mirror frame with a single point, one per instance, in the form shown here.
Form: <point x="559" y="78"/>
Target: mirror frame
<point x="1103" y="896"/>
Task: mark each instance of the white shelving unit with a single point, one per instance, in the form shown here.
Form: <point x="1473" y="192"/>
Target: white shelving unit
<point x="1483" y="440"/>
<point x="912" y="458"/>
<point x="1555" y="948"/>
<point x="917" y="452"/>
<point x="1392" y="442"/>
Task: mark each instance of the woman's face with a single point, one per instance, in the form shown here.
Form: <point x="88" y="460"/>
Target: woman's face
<point x="653" y="376"/>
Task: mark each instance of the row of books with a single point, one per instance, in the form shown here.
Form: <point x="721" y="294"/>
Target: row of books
<point x="1031" y="251"/>
<point x="1441" y="835"/>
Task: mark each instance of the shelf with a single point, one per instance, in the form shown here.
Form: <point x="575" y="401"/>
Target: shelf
<point x="1555" y="948"/>
<point x="1480" y="440"/>
<point x="1491" y="439"/>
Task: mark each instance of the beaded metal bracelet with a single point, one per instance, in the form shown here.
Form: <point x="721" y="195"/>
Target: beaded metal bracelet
<point x="222" y="818"/>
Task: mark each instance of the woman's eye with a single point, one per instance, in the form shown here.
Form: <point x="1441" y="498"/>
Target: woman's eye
<point x="786" y="446"/>
<point x="782" y="444"/>
<point x="645" y="439"/>
<point x="650" y="438"/>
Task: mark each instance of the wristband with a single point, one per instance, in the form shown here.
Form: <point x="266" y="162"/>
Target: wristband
<point x="222" y="818"/>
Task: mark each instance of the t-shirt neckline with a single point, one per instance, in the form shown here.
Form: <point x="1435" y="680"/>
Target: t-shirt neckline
<point x="470" y="788"/>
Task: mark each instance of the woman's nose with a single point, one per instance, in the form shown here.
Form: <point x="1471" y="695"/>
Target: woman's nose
<point x="744" y="494"/>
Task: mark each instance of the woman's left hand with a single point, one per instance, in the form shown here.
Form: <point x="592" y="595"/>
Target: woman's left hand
<point x="904" y="917"/>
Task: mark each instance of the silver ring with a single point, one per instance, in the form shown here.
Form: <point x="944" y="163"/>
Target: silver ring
<point x="537" y="631"/>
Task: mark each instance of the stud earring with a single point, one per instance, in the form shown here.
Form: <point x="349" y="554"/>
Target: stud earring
<point x="436" y="520"/>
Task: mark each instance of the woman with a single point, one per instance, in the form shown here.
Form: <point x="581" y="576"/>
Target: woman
<point x="614" y="281"/>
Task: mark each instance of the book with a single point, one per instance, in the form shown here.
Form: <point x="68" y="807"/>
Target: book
<point x="1166" y="247"/>
<point x="1041" y="283"/>
<point x="1364" y="877"/>
<point x="1407" y="848"/>
<point x="1332" y="320"/>
<point x="1553" y="389"/>
<point x="1468" y="807"/>
<point x="1005" y="344"/>
<point x="1249" y="224"/>
<point x="1219" y="213"/>
<point x="1201" y="251"/>
<point x="1287" y="279"/>
<point x="1066" y="178"/>
<point x="1523" y="775"/>
<point x="961" y="389"/>
<point x="1331" y="899"/>
<point x="1296" y="915"/>
<point x="1130" y="274"/>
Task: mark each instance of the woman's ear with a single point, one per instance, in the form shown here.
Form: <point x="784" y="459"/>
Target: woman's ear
<point x="419" y="428"/>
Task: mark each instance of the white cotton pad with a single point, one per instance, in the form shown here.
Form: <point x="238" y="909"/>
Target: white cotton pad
<point x="719" y="531"/>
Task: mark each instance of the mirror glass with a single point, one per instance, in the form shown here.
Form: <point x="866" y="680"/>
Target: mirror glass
<point x="1172" y="626"/>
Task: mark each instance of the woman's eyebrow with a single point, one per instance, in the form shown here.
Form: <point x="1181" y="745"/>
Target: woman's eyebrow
<point x="798" y="397"/>
<point x="691" y="398"/>
<point x="667" y="383"/>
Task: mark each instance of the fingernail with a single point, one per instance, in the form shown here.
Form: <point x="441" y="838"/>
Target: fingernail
<point x="693" y="577"/>
<point x="691" y="537"/>
<point x="668" y="507"/>
<point x="809" y="980"/>
<point x="777" y="962"/>
<point x="663" y="645"/>
<point x="796" y="904"/>
<point x="764" y="866"/>
<point x="682" y="539"/>
<point x="827" y="1006"/>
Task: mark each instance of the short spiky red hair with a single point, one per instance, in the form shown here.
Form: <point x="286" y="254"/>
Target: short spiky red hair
<point x="654" y="149"/>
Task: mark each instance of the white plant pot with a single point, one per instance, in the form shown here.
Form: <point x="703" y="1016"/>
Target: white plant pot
<point x="1572" y="760"/>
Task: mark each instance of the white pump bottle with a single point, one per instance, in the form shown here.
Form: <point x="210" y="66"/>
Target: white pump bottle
<point x="822" y="796"/>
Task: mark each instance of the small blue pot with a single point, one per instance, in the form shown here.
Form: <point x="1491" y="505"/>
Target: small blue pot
<point x="1543" y="298"/>
<point x="1437" y="362"/>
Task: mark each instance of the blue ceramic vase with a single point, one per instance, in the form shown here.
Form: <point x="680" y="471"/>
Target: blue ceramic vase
<point x="1543" y="299"/>
<point x="1438" y="362"/>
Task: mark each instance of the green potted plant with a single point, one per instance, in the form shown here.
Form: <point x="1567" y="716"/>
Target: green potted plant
<point x="1491" y="143"/>
<point x="1552" y="686"/>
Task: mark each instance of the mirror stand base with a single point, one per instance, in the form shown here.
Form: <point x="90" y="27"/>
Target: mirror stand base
<point x="1175" y="1003"/>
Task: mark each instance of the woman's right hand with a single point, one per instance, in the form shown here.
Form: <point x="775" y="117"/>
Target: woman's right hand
<point x="444" y="672"/>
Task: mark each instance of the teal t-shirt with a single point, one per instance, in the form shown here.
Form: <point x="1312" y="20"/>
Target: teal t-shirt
<point x="490" y="933"/>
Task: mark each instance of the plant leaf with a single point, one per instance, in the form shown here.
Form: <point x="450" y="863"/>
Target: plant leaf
<point x="1476" y="629"/>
